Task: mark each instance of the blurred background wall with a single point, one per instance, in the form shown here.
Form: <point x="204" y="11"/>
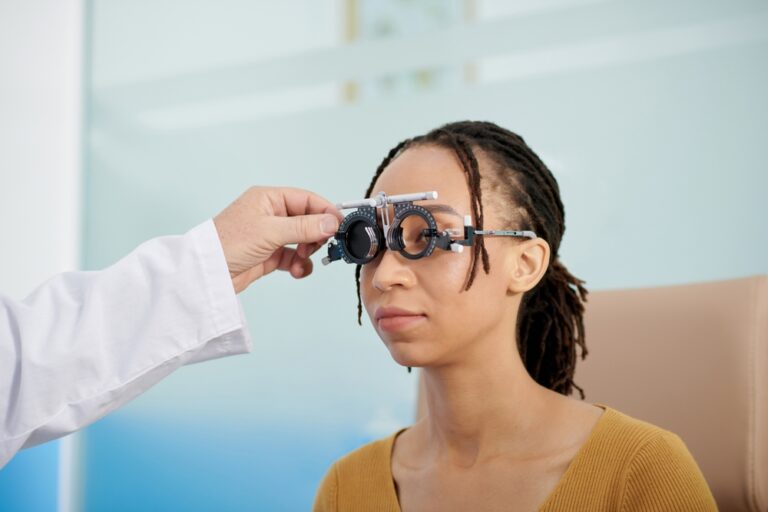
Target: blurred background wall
<point x="41" y="91"/>
<point x="652" y="115"/>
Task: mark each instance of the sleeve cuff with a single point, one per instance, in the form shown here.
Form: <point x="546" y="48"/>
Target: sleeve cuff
<point x="229" y="333"/>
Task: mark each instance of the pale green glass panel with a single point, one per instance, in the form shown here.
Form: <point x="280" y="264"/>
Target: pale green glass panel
<point x="652" y="115"/>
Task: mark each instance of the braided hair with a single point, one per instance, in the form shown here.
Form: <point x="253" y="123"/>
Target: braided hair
<point x="550" y="323"/>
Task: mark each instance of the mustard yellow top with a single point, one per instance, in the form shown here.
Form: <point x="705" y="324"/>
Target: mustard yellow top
<point x="625" y="465"/>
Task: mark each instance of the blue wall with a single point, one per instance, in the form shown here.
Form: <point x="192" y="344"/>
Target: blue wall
<point x="29" y="482"/>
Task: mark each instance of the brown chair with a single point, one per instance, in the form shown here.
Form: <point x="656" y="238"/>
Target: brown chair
<point x="692" y="359"/>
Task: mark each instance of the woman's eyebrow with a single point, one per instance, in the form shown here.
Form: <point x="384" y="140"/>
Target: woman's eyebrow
<point x="441" y="208"/>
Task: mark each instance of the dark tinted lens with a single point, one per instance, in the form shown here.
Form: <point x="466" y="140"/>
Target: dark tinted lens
<point x="361" y="240"/>
<point x="414" y="233"/>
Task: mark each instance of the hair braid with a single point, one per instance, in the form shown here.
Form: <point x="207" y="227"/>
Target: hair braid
<point x="468" y="161"/>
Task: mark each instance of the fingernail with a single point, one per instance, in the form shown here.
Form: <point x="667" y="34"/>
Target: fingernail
<point x="328" y="225"/>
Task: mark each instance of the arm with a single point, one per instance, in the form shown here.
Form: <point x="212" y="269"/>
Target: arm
<point x="326" y="498"/>
<point x="85" y="343"/>
<point x="664" y="476"/>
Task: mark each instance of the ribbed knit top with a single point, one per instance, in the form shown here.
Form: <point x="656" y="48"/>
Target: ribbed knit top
<point x="625" y="465"/>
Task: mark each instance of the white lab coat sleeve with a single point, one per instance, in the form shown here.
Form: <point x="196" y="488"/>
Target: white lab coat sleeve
<point x="84" y="343"/>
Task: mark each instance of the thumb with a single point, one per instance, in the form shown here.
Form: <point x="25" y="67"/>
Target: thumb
<point x="303" y="229"/>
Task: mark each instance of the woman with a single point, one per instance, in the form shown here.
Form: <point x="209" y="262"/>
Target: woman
<point x="498" y="351"/>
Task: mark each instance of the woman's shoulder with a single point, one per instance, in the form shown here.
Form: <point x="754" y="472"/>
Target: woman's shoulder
<point x="645" y="461"/>
<point x="361" y="477"/>
<point x="370" y="456"/>
<point x="624" y="438"/>
<point x="631" y="432"/>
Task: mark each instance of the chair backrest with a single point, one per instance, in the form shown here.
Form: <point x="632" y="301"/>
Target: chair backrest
<point x="692" y="359"/>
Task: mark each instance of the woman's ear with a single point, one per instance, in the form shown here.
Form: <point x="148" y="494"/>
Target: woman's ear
<point x="529" y="263"/>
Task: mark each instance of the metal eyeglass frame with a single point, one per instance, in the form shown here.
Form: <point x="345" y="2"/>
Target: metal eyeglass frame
<point x="390" y="234"/>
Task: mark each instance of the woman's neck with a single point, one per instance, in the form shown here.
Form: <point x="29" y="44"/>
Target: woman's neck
<point x="483" y="406"/>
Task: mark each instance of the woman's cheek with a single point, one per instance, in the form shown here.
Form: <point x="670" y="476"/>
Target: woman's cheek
<point x="453" y="270"/>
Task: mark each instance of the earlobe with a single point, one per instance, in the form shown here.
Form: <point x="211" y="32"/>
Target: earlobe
<point x="529" y="262"/>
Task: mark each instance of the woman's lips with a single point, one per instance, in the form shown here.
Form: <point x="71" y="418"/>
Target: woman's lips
<point x="393" y="319"/>
<point x="399" y="323"/>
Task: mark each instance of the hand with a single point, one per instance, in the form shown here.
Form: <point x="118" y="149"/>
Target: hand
<point x="255" y="228"/>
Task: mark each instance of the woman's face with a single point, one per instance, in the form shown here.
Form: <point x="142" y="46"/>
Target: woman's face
<point x="448" y="323"/>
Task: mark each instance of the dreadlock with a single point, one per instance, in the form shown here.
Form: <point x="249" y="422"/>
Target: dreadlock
<point x="550" y="324"/>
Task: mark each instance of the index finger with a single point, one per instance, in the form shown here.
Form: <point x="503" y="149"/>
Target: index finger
<point x="303" y="202"/>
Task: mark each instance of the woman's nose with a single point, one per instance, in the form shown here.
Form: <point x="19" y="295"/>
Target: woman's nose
<point x="393" y="270"/>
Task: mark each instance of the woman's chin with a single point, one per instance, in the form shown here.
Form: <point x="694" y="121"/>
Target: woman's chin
<point x="407" y="357"/>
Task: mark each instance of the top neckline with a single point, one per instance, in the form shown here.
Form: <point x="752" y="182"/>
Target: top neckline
<point x="567" y="476"/>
